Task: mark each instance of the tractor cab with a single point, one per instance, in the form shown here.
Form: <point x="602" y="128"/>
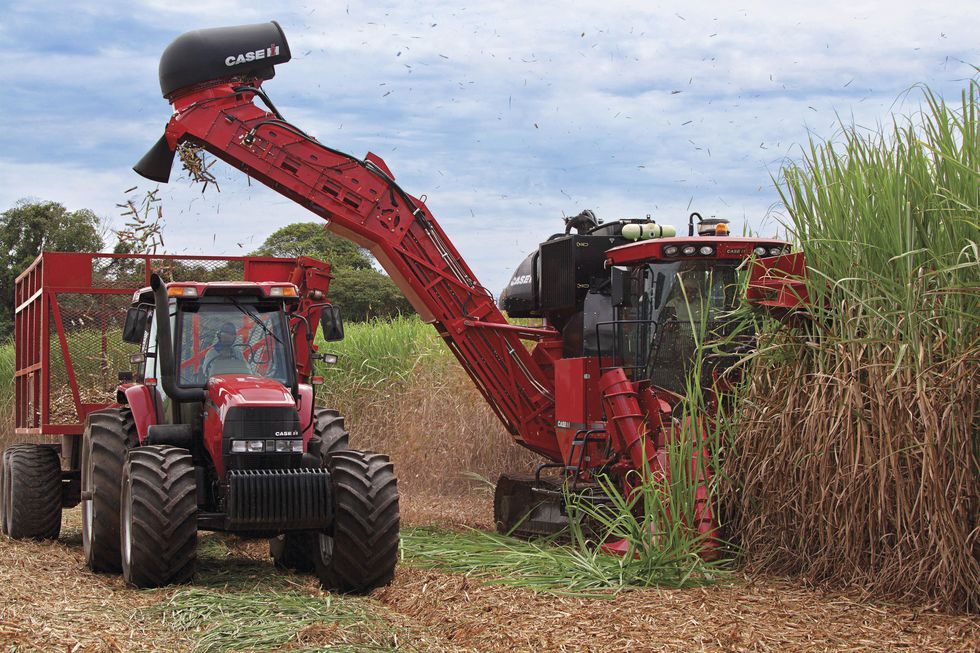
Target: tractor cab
<point x="220" y="330"/>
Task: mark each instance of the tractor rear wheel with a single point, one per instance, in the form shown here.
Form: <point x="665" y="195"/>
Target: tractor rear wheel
<point x="292" y="550"/>
<point x="360" y="552"/>
<point x="329" y="434"/>
<point x="31" y="499"/>
<point x="158" y="517"/>
<point x="108" y="435"/>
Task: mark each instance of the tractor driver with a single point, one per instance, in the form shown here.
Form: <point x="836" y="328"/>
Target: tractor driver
<point x="224" y="357"/>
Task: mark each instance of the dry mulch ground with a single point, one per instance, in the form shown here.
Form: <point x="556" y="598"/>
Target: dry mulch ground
<point x="50" y="602"/>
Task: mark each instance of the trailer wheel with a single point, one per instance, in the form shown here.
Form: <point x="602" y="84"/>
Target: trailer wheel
<point x="292" y="550"/>
<point x="360" y="552"/>
<point x="158" y="517"/>
<point x="31" y="492"/>
<point x="329" y="434"/>
<point x="108" y="435"/>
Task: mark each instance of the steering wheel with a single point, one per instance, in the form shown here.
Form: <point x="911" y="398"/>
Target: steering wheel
<point x="260" y="355"/>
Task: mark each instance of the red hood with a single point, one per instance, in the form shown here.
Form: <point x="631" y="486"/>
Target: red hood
<point x="228" y="390"/>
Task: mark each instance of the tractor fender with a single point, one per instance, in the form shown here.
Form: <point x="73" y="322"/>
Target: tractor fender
<point x="141" y="400"/>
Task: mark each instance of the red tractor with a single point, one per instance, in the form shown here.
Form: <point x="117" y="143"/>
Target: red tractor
<point x="597" y="394"/>
<point x="216" y="429"/>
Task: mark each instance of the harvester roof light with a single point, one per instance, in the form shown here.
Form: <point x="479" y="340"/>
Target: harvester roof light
<point x="760" y="251"/>
<point x="706" y="250"/>
<point x="671" y="250"/>
<point x="775" y="251"/>
<point x="181" y="291"/>
<point x="689" y="250"/>
<point x="721" y="229"/>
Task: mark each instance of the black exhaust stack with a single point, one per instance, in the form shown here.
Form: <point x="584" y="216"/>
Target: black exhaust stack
<point x="245" y="52"/>
<point x="165" y="348"/>
<point x="156" y="164"/>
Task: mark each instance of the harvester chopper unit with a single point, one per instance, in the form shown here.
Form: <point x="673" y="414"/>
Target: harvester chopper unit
<point x="596" y="393"/>
<point x="216" y="429"/>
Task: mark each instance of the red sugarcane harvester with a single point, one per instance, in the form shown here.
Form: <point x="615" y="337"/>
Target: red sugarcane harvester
<point x="597" y="393"/>
<point x="216" y="428"/>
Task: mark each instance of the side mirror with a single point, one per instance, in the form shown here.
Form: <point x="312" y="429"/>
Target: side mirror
<point x="331" y="323"/>
<point x="135" y="325"/>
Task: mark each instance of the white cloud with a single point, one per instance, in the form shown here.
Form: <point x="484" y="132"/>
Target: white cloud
<point x="504" y="113"/>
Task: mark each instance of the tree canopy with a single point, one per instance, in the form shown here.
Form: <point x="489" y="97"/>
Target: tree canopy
<point x="361" y="291"/>
<point x="31" y="227"/>
<point x="311" y="239"/>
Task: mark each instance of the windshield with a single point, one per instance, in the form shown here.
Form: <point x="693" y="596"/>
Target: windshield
<point x="669" y="305"/>
<point x="232" y="338"/>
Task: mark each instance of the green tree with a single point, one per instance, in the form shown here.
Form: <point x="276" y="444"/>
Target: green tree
<point x="31" y="227"/>
<point x="311" y="239"/>
<point x="361" y="291"/>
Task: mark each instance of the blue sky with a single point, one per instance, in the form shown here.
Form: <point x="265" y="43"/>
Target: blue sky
<point x="506" y="115"/>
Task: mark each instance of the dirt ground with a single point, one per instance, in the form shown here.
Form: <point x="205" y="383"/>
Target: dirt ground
<point x="50" y="602"/>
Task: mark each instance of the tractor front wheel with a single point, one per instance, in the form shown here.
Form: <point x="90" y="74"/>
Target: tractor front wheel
<point x="360" y="552"/>
<point x="158" y="517"/>
<point x="292" y="550"/>
<point x="31" y="498"/>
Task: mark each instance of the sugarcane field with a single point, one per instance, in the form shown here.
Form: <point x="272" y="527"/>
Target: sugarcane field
<point x="490" y="328"/>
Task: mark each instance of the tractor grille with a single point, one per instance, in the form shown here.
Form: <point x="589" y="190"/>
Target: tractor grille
<point x="261" y="423"/>
<point x="279" y="499"/>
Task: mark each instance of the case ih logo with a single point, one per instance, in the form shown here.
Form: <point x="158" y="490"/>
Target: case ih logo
<point x="281" y="434"/>
<point x="253" y="55"/>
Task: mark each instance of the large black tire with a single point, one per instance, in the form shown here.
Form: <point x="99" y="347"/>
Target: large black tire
<point x="31" y="501"/>
<point x="108" y="435"/>
<point x="292" y="550"/>
<point x="158" y="517"/>
<point x="329" y="434"/>
<point x="361" y="551"/>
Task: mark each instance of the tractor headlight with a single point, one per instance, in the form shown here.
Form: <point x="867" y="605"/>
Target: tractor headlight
<point x="256" y="446"/>
<point x="689" y="250"/>
<point x="775" y="251"/>
<point x="297" y="446"/>
<point x="284" y="446"/>
<point x="239" y="446"/>
<point x="760" y="251"/>
<point x="706" y="250"/>
<point x="670" y="250"/>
